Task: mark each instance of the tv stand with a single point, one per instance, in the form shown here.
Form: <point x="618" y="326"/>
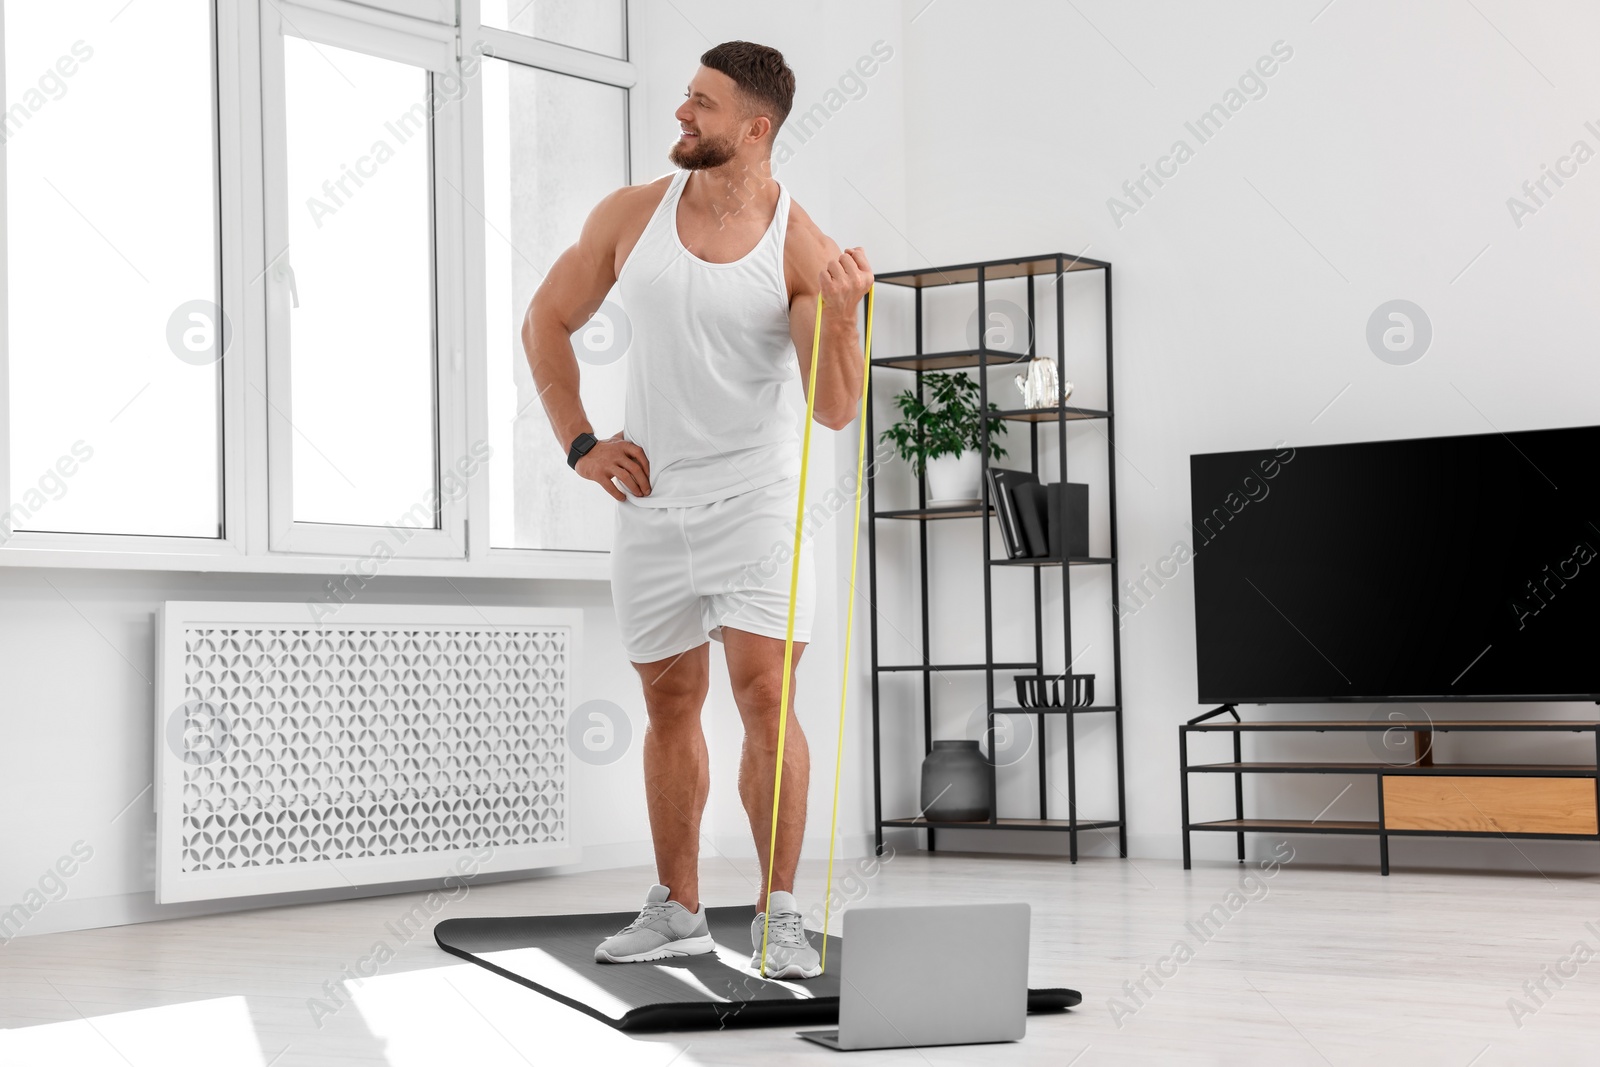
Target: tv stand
<point x="1419" y="798"/>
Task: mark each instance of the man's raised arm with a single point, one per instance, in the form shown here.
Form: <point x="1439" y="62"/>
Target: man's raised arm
<point x="841" y="279"/>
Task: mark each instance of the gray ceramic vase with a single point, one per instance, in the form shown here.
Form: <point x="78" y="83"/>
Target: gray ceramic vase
<point x="955" y="783"/>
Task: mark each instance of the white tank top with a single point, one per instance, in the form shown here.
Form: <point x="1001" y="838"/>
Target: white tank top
<point x="713" y="386"/>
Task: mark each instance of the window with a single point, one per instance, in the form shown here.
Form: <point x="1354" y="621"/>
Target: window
<point x="361" y="313"/>
<point x="263" y="265"/>
<point x="362" y="135"/>
<point x="592" y="25"/>
<point x="114" y="341"/>
<point x="534" y="210"/>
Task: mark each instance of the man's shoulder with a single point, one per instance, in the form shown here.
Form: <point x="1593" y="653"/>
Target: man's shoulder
<point x="806" y="249"/>
<point x="633" y="203"/>
<point x="619" y="220"/>
<point x="804" y="234"/>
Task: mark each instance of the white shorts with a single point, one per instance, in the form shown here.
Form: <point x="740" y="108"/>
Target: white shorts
<point x="680" y="574"/>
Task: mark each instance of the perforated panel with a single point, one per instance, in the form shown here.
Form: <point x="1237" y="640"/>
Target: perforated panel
<point x="340" y="747"/>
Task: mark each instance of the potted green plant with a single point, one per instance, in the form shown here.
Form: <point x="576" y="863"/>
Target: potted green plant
<point x="942" y="438"/>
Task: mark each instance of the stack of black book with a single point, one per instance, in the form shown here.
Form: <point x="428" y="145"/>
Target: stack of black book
<point x="1030" y="515"/>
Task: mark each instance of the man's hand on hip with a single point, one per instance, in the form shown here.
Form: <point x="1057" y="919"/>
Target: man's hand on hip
<point x="619" y="459"/>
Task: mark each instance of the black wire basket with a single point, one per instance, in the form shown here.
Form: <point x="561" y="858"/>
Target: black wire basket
<point x="1054" y="690"/>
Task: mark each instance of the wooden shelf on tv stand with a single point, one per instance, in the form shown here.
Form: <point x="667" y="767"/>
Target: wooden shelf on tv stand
<point x="1417" y="797"/>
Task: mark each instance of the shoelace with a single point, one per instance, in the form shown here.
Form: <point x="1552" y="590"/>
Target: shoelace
<point x="783" y="928"/>
<point x="652" y="911"/>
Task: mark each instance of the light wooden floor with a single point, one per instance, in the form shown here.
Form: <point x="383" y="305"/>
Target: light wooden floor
<point x="1310" y="966"/>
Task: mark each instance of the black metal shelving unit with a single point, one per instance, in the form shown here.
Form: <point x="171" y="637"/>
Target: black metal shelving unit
<point x="1058" y="265"/>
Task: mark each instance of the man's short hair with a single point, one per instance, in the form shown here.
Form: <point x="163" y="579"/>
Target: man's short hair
<point x="763" y="78"/>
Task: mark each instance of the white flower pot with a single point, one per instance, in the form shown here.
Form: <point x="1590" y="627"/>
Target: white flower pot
<point x="954" y="479"/>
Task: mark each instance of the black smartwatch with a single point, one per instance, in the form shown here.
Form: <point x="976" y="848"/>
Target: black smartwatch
<point x="580" y="448"/>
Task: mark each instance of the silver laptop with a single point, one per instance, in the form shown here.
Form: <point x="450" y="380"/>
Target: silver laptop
<point x="949" y="974"/>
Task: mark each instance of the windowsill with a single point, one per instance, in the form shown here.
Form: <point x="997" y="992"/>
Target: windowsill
<point x="500" y="563"/>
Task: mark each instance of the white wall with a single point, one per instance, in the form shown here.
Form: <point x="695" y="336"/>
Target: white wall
<point x="1376" y="166"/>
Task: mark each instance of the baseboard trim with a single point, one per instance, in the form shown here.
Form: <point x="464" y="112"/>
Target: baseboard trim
<point x="126" y="909"/>
<point x="93" y="913"/>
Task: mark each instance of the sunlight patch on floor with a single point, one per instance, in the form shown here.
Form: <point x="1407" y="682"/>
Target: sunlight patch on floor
<point x="465" y="1014"/>
<point x="200" y="1033"/>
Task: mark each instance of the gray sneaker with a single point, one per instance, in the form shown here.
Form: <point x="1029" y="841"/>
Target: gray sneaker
<point x="789" y="954"/>
<point x="664" y="928"/>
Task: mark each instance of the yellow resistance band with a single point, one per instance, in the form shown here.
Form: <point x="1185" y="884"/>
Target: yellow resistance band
<point x="849" y="618"/>
<point x="788" y="640"/>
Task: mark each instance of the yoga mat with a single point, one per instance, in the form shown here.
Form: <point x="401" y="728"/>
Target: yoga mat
<point x="554" y="954"/>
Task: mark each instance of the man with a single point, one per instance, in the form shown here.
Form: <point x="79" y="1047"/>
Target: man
<point x="719" y="273"/>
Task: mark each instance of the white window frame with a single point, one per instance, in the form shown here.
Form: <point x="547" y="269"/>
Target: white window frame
<point x="252" y="453"/>
<point x="432" y="10"/>
<point x="430" y="49"/>
<point x="57" y="549"/>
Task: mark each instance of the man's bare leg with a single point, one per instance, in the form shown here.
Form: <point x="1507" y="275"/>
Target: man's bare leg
<point x="676" y="771"/>
<point x="755" y="669"/>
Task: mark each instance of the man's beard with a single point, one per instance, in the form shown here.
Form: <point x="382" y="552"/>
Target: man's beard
<point x="702" y="155"/>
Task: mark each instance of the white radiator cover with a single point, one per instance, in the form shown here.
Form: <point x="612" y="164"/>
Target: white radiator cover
<point x="387" y="743"/>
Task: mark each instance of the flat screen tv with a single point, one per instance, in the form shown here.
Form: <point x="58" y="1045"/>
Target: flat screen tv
<point x="1431" y="569"/>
